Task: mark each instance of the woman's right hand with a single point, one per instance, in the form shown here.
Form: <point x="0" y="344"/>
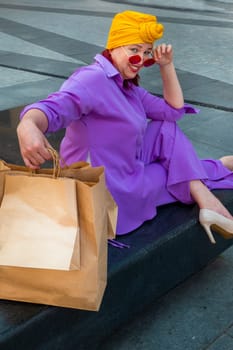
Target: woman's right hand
<point x="33" y="144"/>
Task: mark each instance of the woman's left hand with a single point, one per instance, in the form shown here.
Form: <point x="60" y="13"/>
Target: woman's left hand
<point x="163" y="54"/>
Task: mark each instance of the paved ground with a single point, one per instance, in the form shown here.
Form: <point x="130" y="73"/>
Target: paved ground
<point x="42" y="42"/>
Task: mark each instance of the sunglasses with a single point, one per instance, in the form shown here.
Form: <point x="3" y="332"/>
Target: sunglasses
<point x="135" y="59"/>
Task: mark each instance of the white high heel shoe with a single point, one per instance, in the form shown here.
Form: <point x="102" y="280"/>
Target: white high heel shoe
<point x="219" y="223"/>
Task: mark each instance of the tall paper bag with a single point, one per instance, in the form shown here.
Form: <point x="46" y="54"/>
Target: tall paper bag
<point x="83" y="288"/>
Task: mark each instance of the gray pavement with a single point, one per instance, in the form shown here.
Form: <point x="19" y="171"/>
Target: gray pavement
<point x="42" y="42"/>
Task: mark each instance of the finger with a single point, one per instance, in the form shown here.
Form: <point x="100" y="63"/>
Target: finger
<point x="36" y="159"/>
<point x="34" y="156"/>
<point x="163" y="48"/>
<point x="169" y="48"/>
<point x="158" y="49"/>
<point x="44" y="152"/>
<point x="30" y="164"/>
<point x="157" y="53"/>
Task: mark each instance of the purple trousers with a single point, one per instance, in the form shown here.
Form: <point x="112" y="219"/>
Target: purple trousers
<point x="167" y="162"/>
<point x="166" y="144"/>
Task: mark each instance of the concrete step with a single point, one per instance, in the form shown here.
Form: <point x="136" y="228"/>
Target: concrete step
<point x="163" y="253"/>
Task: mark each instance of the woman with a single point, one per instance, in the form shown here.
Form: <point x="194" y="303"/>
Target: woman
<point x="113" y="122"/>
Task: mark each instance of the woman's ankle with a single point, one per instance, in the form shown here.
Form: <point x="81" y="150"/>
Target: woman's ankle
<point x="205" y="199"/>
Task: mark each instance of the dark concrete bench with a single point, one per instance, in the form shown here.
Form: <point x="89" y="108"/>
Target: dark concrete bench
<point x="163" y="252"/>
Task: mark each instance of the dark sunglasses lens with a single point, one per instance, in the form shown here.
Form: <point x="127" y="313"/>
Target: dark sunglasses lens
<point x="134" y="59"/>
<point x="149" y="62"/>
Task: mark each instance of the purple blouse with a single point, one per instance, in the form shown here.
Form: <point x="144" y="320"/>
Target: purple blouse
<point x="106" y="123"/>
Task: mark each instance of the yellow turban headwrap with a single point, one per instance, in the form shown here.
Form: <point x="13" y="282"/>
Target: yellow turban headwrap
<point x="130" y="27"/>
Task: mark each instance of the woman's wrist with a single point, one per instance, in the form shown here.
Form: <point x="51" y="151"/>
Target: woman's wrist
<point x="36" y="117"/>
<point x="167" y="65"/>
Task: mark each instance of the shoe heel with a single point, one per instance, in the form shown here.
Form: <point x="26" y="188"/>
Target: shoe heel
<point x="209" y="233"/>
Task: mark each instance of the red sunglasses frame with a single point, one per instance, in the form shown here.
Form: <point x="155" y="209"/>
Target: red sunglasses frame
<point x="135" y="59"/>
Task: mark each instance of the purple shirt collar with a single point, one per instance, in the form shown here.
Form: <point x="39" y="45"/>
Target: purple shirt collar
<point x="110" y="70"/>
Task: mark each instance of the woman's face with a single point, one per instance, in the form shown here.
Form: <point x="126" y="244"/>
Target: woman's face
<point x="121" y="57"/>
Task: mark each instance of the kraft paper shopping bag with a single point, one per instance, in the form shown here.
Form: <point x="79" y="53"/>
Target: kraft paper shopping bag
<point x="83" y="288"/>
